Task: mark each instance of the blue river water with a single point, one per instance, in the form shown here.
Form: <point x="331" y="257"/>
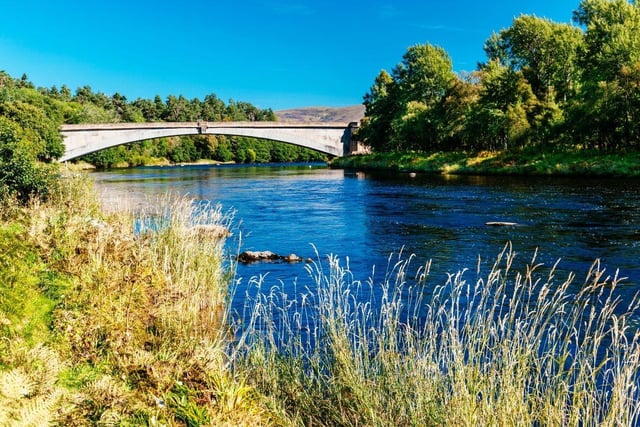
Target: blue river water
<point x="314" y="211"/>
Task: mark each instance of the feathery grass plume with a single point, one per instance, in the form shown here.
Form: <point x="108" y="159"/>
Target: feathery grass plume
<point x="510" y="348"/>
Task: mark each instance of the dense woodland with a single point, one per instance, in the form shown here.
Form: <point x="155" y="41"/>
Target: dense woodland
<point x="544" y="86"/>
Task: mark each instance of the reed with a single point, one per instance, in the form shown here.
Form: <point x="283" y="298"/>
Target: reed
<point x="510" y="348"/>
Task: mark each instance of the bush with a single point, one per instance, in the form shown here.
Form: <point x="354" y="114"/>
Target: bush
<point x="24" y="178"/>
<point x="29" y="141"/>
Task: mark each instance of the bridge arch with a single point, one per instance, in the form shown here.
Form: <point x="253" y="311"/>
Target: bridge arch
<point x="329" y="138"/>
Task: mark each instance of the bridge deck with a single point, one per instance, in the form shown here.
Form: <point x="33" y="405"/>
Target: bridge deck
<point x="181" y="125"/>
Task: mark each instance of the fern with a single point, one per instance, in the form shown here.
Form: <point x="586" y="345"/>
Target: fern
<point x="15" y="385"/>
<point x="29" y="395"/>
<point x="39" y="411"/>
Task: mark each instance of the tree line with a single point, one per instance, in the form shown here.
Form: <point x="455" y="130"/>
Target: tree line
<point x="544" y="85"/>
<point x="30" y="140"/>
<point x="100" y="108"/>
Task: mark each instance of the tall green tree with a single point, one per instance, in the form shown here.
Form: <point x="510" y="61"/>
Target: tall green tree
<point x="612" y="37"/>
<point x="400" y="112"/>
<point x="454" y="111"/>
<point x="424" y="74"/>
<point x="607" y="114"/>
<point x="498" y="120"/>
<point x="381" y="105"/>
<point x="546" y="52"/>
<point x="29" y="139"/>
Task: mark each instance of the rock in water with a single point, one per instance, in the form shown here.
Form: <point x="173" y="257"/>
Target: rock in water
<point x="292" y="258"/>
<point x="254" y="256"/>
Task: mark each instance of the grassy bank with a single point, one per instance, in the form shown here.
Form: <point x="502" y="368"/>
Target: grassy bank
<point x="104" y="326"/>
<point x="100" y="325"/>
<point x="523" y="162"/>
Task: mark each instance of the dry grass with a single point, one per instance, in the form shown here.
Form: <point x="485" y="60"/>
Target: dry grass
<point x="511" y="348"/>
<point x="128" y="324"/>
<point x="140" y="317"/>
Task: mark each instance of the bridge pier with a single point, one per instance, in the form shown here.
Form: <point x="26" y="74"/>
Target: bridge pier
<point x="355" y="146"/>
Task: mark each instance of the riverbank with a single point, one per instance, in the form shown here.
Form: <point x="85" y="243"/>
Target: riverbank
<point x="103" y="325"/>
<point x="563" y="163"/>
<point x="85" y="166"/>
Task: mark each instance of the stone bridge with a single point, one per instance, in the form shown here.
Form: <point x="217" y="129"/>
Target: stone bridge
<point x="330" y="138"/>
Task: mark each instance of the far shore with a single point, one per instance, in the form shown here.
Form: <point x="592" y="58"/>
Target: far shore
<point x="561" y="163"/>
<point x="81" y="165"/>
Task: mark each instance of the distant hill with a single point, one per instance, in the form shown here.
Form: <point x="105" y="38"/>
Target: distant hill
<point x="353" y="113"/>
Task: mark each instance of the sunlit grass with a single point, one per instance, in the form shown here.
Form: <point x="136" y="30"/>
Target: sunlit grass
<point x="140" y="318"/>
<point x="122" y="318"/>
<point x="506" y="348"/>
<point x="533" y="161"/>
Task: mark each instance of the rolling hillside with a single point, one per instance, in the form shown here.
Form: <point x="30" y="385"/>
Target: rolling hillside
<point x="322" y="114"/>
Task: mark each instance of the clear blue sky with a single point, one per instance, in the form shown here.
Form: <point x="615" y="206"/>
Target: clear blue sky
<point x="272" y="53"/>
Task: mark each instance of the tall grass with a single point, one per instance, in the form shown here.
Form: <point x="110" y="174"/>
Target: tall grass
<point x="509" y="348"/>
<point x="126" y="321"/>
<point x="135" y="330"/>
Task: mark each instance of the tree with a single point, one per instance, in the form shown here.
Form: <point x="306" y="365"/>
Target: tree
<point x="400" y="108"/>
<point x="183" y="152"/>
<point x="29" y="140"/>
<point x="149" y="109"/>
<point x="612" y="37"/>
<point x="454" y="111"/>
<point x="177" y="109"/>
<point x="499" y="117"/>
<point x="424" y="75"/>
<point x="380" y="107"/>
<point x="607" y="114"/>
<point x="546" y="52"/>
<point x="212" y="108"/>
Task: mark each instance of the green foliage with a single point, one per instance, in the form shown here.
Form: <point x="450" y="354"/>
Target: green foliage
<point x="545" y="52"/>
<point x="544" y="84"/>
<point x="27" y="291"/>
<point x="522" y="161"/>
<point x="612" y="37"/>
<point x="182" y="401"/>
<point x="606" y="113"/>
<point x="399" y="106"/>
<point x="380" y="108"/>
<point x="29" y="139"/>
<point x="499" y="116"/>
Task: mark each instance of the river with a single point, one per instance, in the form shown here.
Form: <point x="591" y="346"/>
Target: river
<point x="313" y="211"/>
